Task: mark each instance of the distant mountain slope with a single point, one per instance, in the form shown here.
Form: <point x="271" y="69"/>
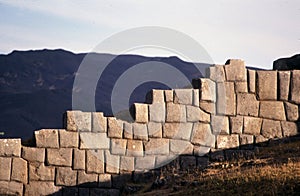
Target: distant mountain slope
<point x="36" y="86"/>
<point x="288" y="63"/>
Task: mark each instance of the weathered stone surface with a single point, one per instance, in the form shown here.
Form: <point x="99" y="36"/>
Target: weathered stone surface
<point x="5" y="168"/>
<point x="267" y="85"/>
<point x="272" y="109"/>
<point x="181" y="147"/>
<point x="177" y="130"/>
<point x="128" y="133"/>
<point x="19" y="171"/>
<point x="33" y="154"/>
<point x="99" y="122"/>
<point x="104" y="180"/>
<point x="271" y="129"/>
<point x="40" y="172"/>
<point x="41" y="188"/>
<point x="227" y="141"/>
<point x="195" y="114"/>
<point x="10" y="147"/>
<point x="11" y="188"/>
<point x="141" y="112"/>
<point x="247" y="104"/>
<point x="157" y="146"/>
<point x="201" y="150"/>
<point x="295" y="86"/>
<point x="292" y="111"/>
<point x="115" y="128"/>
<point x="157" y="112"/>
<point x="202" y="135"/>
<point x="251" y="81"/>
<point x="284" y="84"/>
<point x="183" y="96"/>
<point x="208" y="107"/>
<point x="144" y="163"/>
<point x="140" y="131"/>
<point x="95" y="161"/>
<point x="175" y="113"/>
<point x="154" y="130"/>
<point x="68" y="139"/>
<point x="134" y="148"/>
<point x="157" y="96"/>
<point x="246" y="139"/>
<point x="226" y="101"/>
<point x="236" y="124"/>
<point x="127" y="163"/>
<point x="65" y="176"/>
<point x="196" y="97"/>
<point x="112" y="163"/>
<point x="46" y="138"/>
<point x="289" y="128"/>
<point x="235" y="70"/>
<point x="91" y="180"/>
<point x="118" y="146"/>
<point x="59" y="157"/>
<point x="216" y="73"/>
<point x="169" y="95"/>
<point x="207" y="90"/>
<point x="91" y="140"/>
<point x="260" y="139"/>
<point x="252" y="125"/>
<point x="79" y="159"/>
<point x="78" y="121"/>
<point x="241" y="87"/>
<point x="220" y="124"/>
<point x="162" y="160"/>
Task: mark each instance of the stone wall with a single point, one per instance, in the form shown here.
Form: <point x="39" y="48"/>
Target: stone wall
<point x="233" y="108"/>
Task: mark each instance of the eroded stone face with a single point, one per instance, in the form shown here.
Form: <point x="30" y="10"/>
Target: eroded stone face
<point x="247" y="105"/>
<point x="271" y="129"/>
<point x="202" y="135"/>
<point x="227" y="141"/>
<point x="10" y="147"/>
<point x="47" y="138"/>
<point x="272" y="110"/>
<point x="295" y="86"/>
<point x="267" y="85"/>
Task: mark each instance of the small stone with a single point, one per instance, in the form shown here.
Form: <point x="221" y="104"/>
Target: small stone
<point x="115" y="128"/>
<point x="11" y="188"/>
<point x="295" y="86"/>
<point x="216" y="73"/>
<point x="127" y="163"/>
<point x="227" y="141"/>
<point x="220" y="124"/>
<point x="59" y="157"/>
<point x="271" y="129"/>
<point x="68" y="139"/>
<point x="10" y="147"/>
<point x="84" y="179"/>
<point x="181" y="147"/>
<point x="104" y="180"/>
<point x="251" y="81"/>
<point x="169" y="95"/>
<point x="140" y="131"/>
<point x="154" y="130"/>
<point x="241" y="87"/>
<point x="118" y="146"/>
<point x="95" y="161"/>
<point x="193" y="113"/>
<point x="163" y="160"/>
<point x="235" y="70"/>
<point x="207" y="90"/>
<point x="247" y="105"/>
<point x="65" y="176"/>
<point x="208" y="107"/>
<point x="284" y="84"/>
<point x="112" y="163"/>
<point x="236" y="124"/>
<point x="46" y="138"/>
<point x="79" y="159"/>
<point x="292" y="111"/>
<point x="289" y="128"/>
<point x="99" y="122"/>
<point x="128" y="133"/>
<point x="183" y="96"/>
<point x="157" y="112"/>
<point x="41" y="188"/>
<point x="5" y="168"/>
<point x="141" y="112"/>
<point x="40" y="172"/>
<point x="157" y="96"/>
<point x="78" y="121"/>
<point x="134" y="148"/>
<point x="33" y="154"/>
<point x="267" y="85"/>
<point x="202" y="135"/>
<point x="260" y="139"/>
<point x="144" y="163"/>
<point x="196" y="97"/>
<point x="201" y="150"/>
<point x="272" y="110"/>
<point x="157" y="146"/>
<point x="91" y="140"/>
<point x="175" y="113"/>
<point x="246" y="139"/>
<point x="252" y="125"/>
<point x="177" y="130"/>
<point x="19" y="171"/>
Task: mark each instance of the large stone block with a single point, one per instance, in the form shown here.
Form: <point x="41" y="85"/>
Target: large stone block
<point x="112" y="163"/>
<point x="105" y="180"/>
<point x="295" y="86"/>
<point x="252" y="125"/>
<point x="201" y="150"/>
<point x="181" y="147"/>
<point x="247" y="105"/>
<point x="236" y="124"/>
<point x="289" y="128"/>
<point x="126" y="163"/>
<point x="267" y="85"/>
<point x="95" y="161"/>
<point x="84" y="179"/>
<point x="216" y="73"/>
<point x="163" y="160"/>
<point x="5" y="168"/>
<point x="19" y="171"/>
<point x="154" y="130"/>
<point x="10" y="147"/>
<point x="78" y="121"/>
<point x="193" y="113"/>
<point x="175" y="113"/>
<point x="235" y="70"/>
<point x="41" y="188"/>
<point x="115" y="128"/>
<point x="169" y="94"/>
<point x="157" y="96"/>
<point x="40" y="172"/>
<point x="99" y="122"/>
<point x="144" y="163"/>
<point x="251" y="81"/>
<point x="79" y="159"/>
<point x="128" y="133"/>
<point x="272" y="110"/>
<point x="59" y="157"/>
<point x="183" y="96"/>
<point x="246" y="140"/>
<point x="65" y="176"/>
<point x="220" y="124"/>
<point x="207" y="90"/>
<point x="46" y="138"/>
<point x="118" y="146"/>
<point x="140" y="131"/>
<point x="11" y="188"/>
<point x="284" y="84"/>
<point x="134" y="148"/>
<point x="202" y="135"/>
<point x="90" y="140"/>
<point x="271" y="129"/>
<point x="68" y="139"/>
<point x="292" y="111"/>
<point x="33" y="154"/>
<point x="227" y="141"/>
<point x="208" y="107"/>
<point x="157" y="146"/>
<point x="157" y="112"/>
<point x="241" y="87"/>
<point x="226" y="101"/>
<point x="177" y="130"/>
<point x="141" y="112"/>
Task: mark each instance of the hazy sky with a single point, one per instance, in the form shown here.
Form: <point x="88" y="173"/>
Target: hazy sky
<point x="258" y="31"/>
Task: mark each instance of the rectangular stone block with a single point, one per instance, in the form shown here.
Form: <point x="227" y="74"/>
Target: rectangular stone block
<point x="247" y="105"/>
<point x="246" y="139"/>
<point x="115" y="128"/>
<point x="140" y="112"/>
<point x="99" y="122"/>
<point x="169" y="96"/>
<point x="157" y="96"/>
<point x="220" y="124"/>
<point x="135" y="148"/>
<point x="195" y="114"/>
<point x="112" y="163"/>
<point x="46" y="138"/>
<point x="78" y="121"/>
<point x="289" y="128"/>
<point x="84" y="179"/>
<point x="33" y="154"/>
<point x="41" y="188"/>
<point x="128" y="132"/>
<point x="65" y="176"/>
<point x="183" y="96"/>
<point x="252" y="125"/>
<point x="78" y="159"/>
<point x="154" y="130"/>
<point x="216" y="73"/>
<point x="144" y="163"/>
<point x="236" y="124"/>
<point x="59" y="157"/>
<point x="157" y="112"/>
<point x="226" y="101"/>
<point x="157" y="146"/>
<point x="292" y="111"/>
<point x="181" y="147"/>
<point x="284" y="84"/>
<point x="163" y="160"/>
<point x="260" y="139"/>
<point x="175" y="113"/>
<point x="127" y="164"/>
<point x="207" y="90"/>
<point x="105" y="180"/>
<point x="267" y="85"/>
<point x="271" y="129"/>
<point x="196" y="97"/>
<point x="10" y="147"/>
<point x="177" y="130"/>
<point x="40" y="172"/>
<point x="68" y="139"/>
<point x="295" y="86"/>
<point x="140" y="131"/>
<point x="118" y="146"/>
<point x="19" y="171"/>
<point x="90" y="140"/>
<point x="11" y="188"/>
<point x="241" y="87"/>
<point x="208" y="107"/>
<point x="201" y="150"/>
<point x="227" y="141"/>
<point x="235" y="70"/>
<point x="272" y="110"/>
<point x="5" y="168"/>
<point x="202" y="135"/>
<point x="95" y="161"/>
<point x="251" y="81"/>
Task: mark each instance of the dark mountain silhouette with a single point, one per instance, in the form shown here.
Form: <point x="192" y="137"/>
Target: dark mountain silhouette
<point x="36" y="86"/>
<point x="288" y="63"/>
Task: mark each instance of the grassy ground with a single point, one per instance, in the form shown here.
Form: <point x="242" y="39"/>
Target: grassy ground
<point x="275" y="170"/>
